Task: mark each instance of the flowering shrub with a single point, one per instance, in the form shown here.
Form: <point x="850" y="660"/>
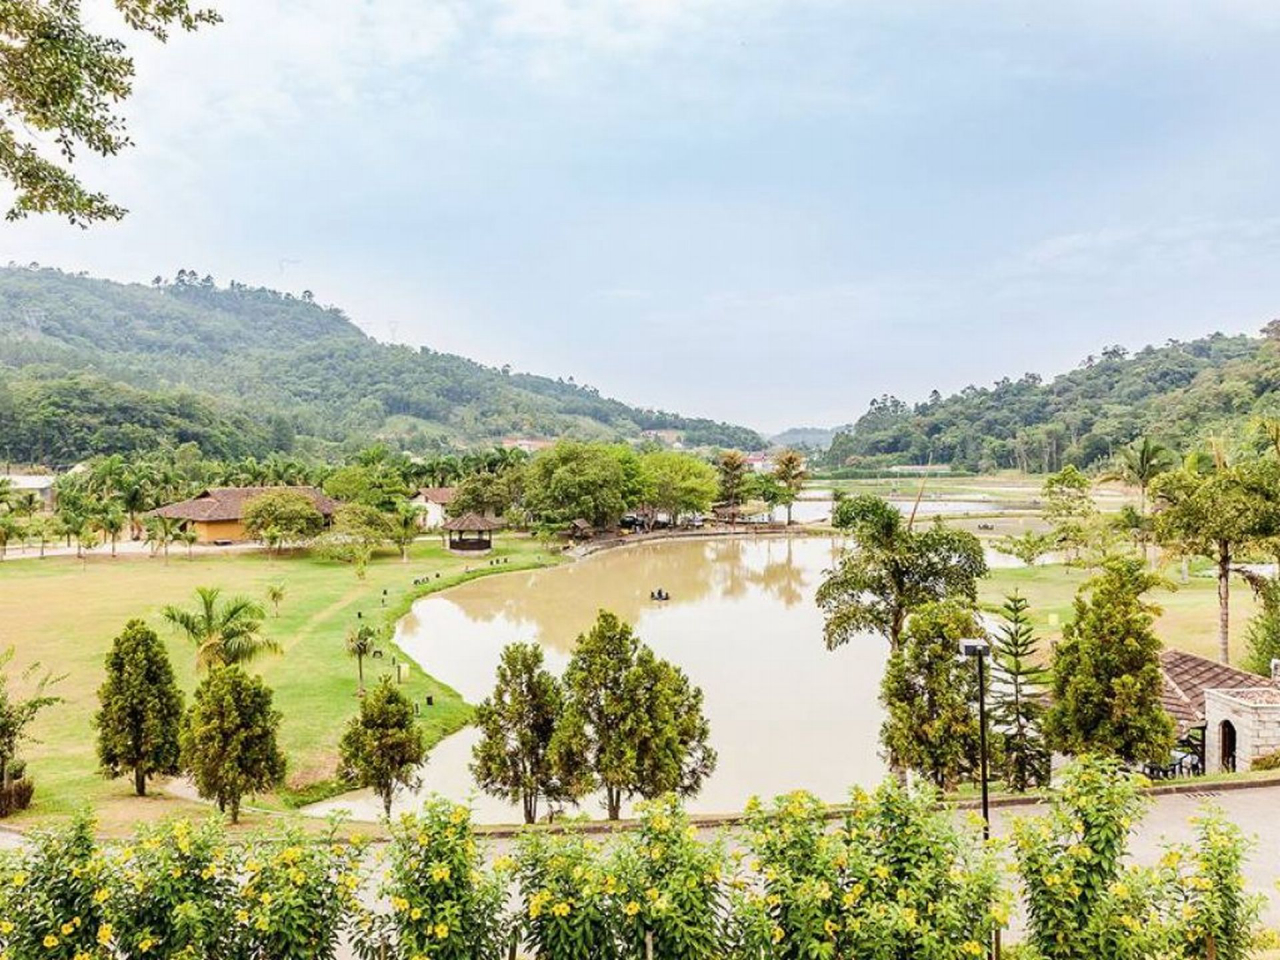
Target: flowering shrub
<point x="669" y="885"/>
<point x="48" y="906"/>
<point x="572" y="901"/>
<point x="297" y="896"/>
<point x="171" y="893"/>
<point x="1213" y="916"/>
<point x="443" y="903"/>
<point x="898" y="881"/>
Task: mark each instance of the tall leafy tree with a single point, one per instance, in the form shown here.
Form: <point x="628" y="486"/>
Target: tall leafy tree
<point x="930" y="695"/>
<point x="291" y="516"/>
<point x="1105" y="674"/>
<point x="1216" y="515"/>
<point x="141" y="709"/>
<point x="632" y="724"/>
<point x="676" y="483"/>
<point x="892" y="570"/>
<point x="575" y="480"/>
<point x="1018" y="699"/>
<point x="517" y="721"/>
<point x="223" y="633"/>
<point x="790" y="473"/>
<point x="16" y="715"/>
<point x="1069" y="507"/>
<point x="228" y="739"/>
<point x="382" y="747"/>
<point x="1262" y="641"/>
<point x="63" y="82"/>
<point x="732" y="468"/>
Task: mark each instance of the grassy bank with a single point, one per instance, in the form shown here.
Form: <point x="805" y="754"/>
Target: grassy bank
<point x="65" y="614"/>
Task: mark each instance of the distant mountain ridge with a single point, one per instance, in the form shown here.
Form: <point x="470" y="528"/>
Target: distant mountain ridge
<point x="90" y="365"/>
<point x="1180" y="394"/>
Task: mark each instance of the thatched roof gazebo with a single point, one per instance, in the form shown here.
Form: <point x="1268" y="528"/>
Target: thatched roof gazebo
<point x="471" y="533"/>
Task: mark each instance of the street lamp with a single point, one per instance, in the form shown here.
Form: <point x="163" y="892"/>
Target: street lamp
<point x="979" y="648"/>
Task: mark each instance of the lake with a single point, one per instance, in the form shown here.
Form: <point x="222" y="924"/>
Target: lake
<point x="785" y="712"/>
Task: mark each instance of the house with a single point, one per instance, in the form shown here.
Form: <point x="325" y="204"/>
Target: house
<point x="527" y="444"/>
<point x="432" y="504"/>
<point x="1229" y="717"/>
<point x="759" y="462"/>
<point x="217" y="514"/>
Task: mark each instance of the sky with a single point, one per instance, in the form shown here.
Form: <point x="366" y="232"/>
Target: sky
<point x="764" y="211"/>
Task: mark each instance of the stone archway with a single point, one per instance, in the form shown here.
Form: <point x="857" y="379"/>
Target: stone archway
<point x="1227" y="746"/>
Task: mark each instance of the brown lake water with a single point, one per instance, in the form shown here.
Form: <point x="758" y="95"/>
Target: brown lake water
<point x="785" y="712"/>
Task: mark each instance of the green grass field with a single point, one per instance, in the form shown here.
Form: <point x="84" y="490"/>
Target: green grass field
<point x="64" y="614"/>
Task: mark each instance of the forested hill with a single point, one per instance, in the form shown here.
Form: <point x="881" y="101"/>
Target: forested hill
<point x="1179" y="394"/>
<point x="91" y="366"/>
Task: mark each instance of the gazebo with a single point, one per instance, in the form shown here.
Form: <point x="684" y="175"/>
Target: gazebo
<point x="471" y="533"/>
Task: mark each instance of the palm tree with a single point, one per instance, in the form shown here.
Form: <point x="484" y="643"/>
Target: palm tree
<point x="189" y="537"/>
<point x="361" y="642"/>
<point x="224" y="633"/>
<point x="110" y="521"/>
<point x="275" y="596"/>
<point x="1138" y="464"/>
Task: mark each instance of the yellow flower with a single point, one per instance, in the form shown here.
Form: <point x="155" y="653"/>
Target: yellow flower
<point x="778" y="934"/>
<point x="631" y="909"/>
<point x="50" y="941"/>
<point x="146" y="944"/>
<point x="652" y="893"/>
<point x="415" y="913"/>
<point x="442" y="931"/>
<point x="104" y="934"/>
<point x="831" y="927"/>
<point x="68" y="929"/>
<point x="265" y="899"/>
<point x="561" y="909"/>
<point x="440" y="873"/>
<point x="6" y="926"/>
<point x="973" y="948"/>
<point x="100" y="895"/>
<point x="19" y="880"/>
<point x="242" y="916"/>
<point x="399" y="903"/>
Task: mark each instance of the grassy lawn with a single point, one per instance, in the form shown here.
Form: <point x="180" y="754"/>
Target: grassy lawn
<point x="1189" y="620"/>
<point x="65" y="614"/>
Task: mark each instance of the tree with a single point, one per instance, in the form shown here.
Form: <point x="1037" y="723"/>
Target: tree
<point x="224" y="633"/>
<point x="64" y="81"/>
<point x="1263" y="637"/>
<point x="732" y="467"/>
<point x="1028" y="547"/>
<point x="1138" y="464"/>
<point x="1018" y="697"/>
<point x="110" y="521"/>
<point x="893" y="570"/>
<point x="790" y="473"/>
<point x="930" y="695"/>
<point x="362" y="641"/>
<point x="512" y="759"/>
<point x="382" y="747"/>
<point x="1105" y="674"/>
<point x="575" y="480"/>
<point x="676" y="483"/>
<point x="403" y="528"/>
<point x="1069" y="507"/>
<point x="16" y="715"/>
<point x="228" y="739"/>
<point x="291" y="516"/>
<point x="632" y="724"/>
<point x="275" y="597"/>
<point x="358" y="530"/>
<point x="141" y="709"/>
<point x="160" y="532"/>
<point x="1216" y="515"/>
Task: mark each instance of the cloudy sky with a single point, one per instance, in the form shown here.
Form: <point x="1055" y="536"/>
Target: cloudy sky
<point x="767" y="211"/>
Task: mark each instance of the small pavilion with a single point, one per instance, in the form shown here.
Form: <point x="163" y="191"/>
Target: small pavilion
<point x="471" y="533"/>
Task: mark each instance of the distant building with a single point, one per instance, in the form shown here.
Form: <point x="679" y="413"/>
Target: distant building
<point x="668" y="438"/>
<point x="432" y="504"/>
<point x="759" y="462"/>
<point x="527" y="444"/>
<point x="217" y="514"/>
<point x="41" y="484"/>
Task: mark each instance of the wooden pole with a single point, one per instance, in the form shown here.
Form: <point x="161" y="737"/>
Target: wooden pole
<point x="648" y="945"/>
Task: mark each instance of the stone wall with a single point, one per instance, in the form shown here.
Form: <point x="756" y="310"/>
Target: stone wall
<point x="1255" y="714"/>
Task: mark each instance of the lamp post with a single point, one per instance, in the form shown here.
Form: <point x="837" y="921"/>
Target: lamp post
<point x="979" y="648"/>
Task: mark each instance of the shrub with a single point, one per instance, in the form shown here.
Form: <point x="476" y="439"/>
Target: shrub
<point x="444" y="905"/>
<point x="172" y="893"/>
<point x="898" y="881"/>
<point x="297" y="896"/>
<point x="1270" y="761"/>
<point x="49" y="907"/>
<point x="572" y="903"/>
<point x="670" y="886"/>
<point x="16" y="796"/>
